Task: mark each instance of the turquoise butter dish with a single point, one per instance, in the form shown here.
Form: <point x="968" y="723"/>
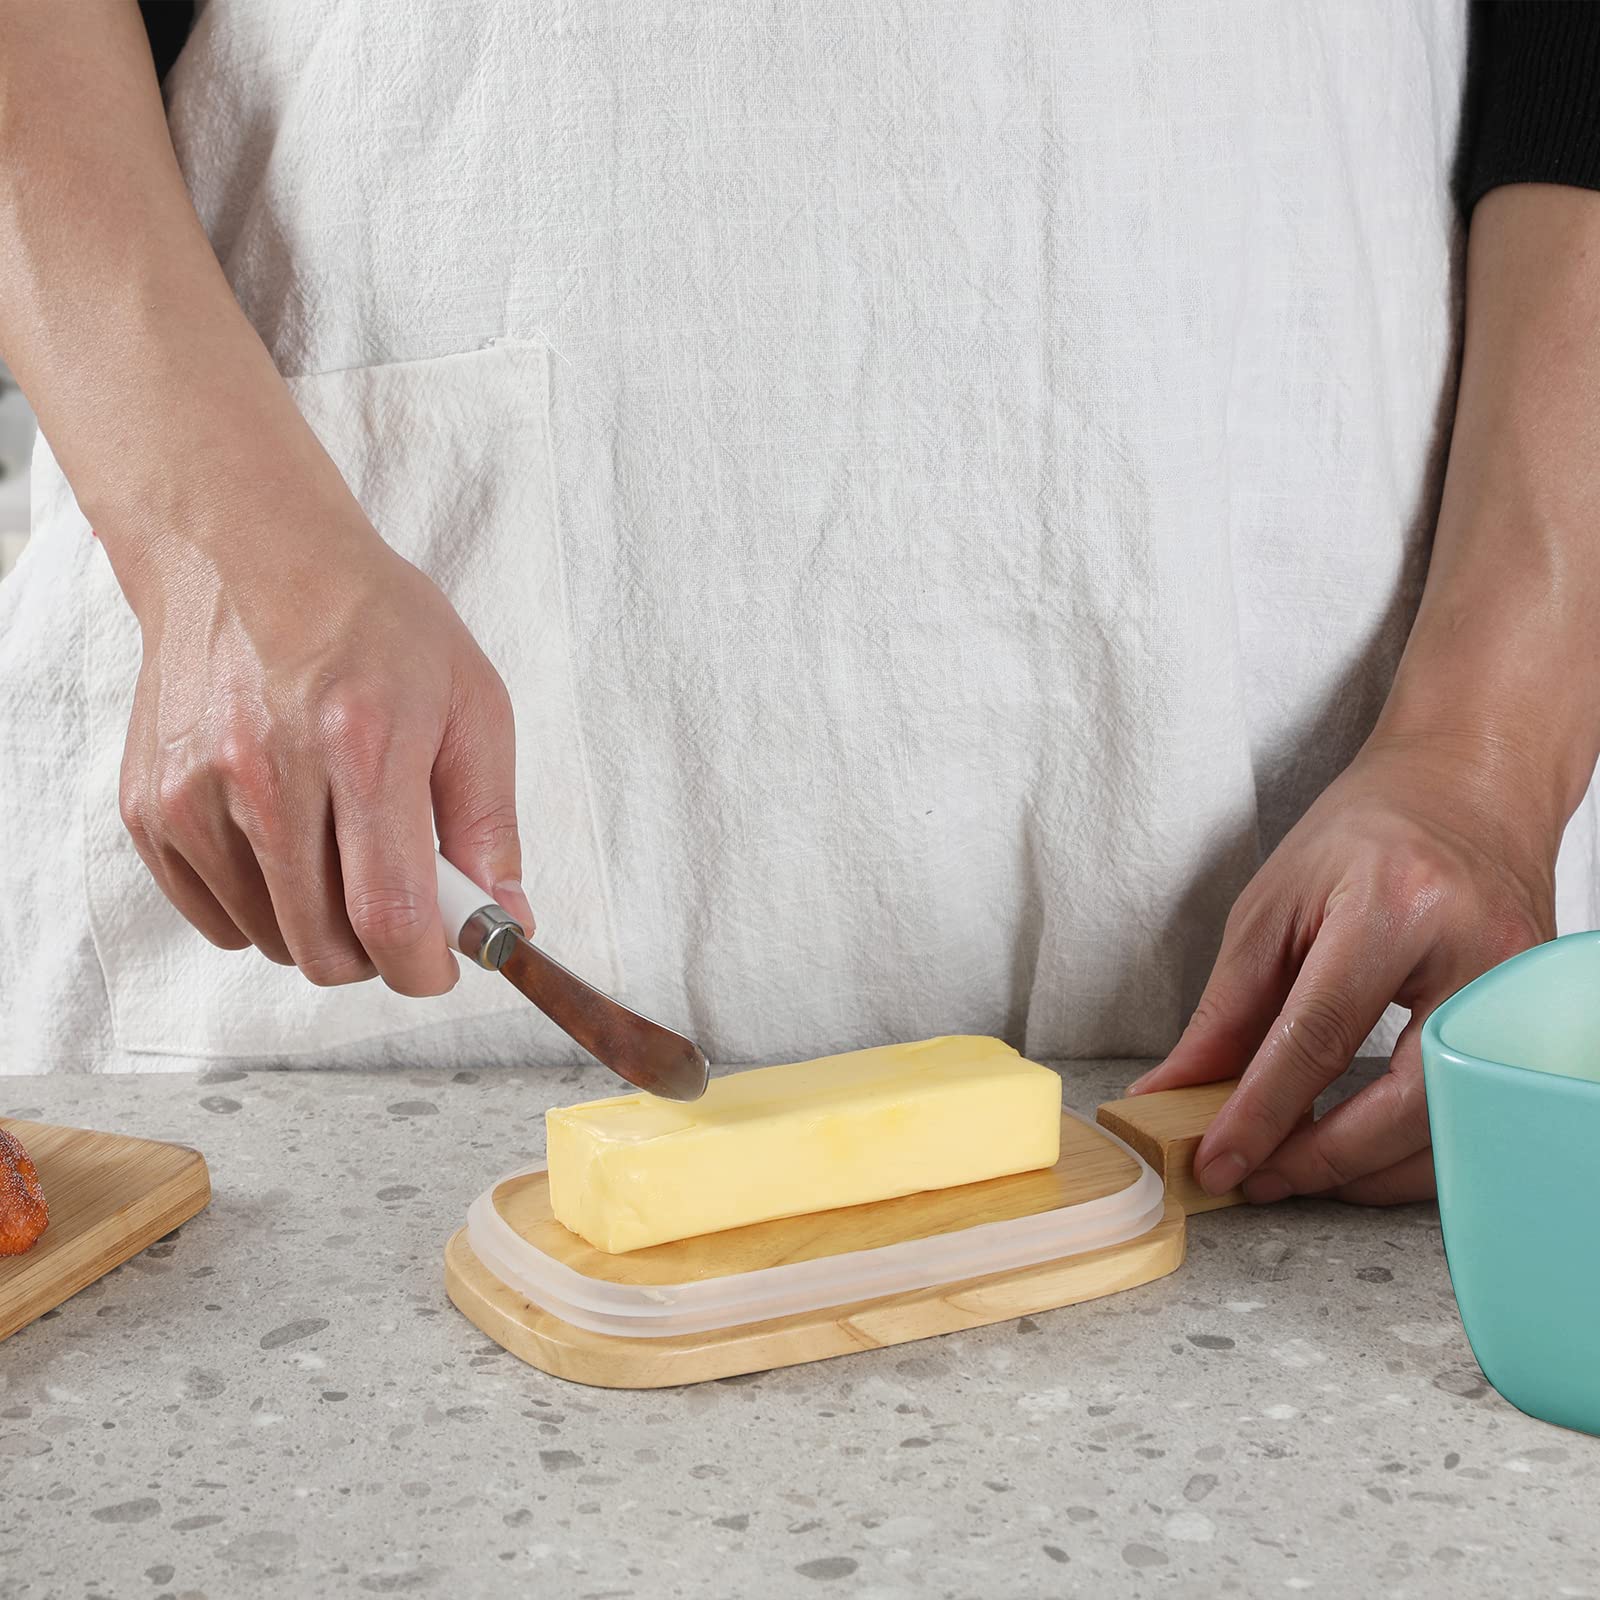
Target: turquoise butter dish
<point x="1512" y="1064"/>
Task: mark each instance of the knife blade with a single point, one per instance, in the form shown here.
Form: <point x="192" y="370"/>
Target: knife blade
<point x="642" y="1052"/>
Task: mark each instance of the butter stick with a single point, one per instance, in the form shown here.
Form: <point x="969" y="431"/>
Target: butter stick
<point x="779" y="1141"/>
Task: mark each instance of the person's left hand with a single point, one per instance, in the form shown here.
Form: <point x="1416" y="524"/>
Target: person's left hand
<point x="1415" y="871"/>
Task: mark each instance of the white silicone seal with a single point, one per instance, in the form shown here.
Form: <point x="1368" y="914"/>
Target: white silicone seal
<point x="658" y="1311"/>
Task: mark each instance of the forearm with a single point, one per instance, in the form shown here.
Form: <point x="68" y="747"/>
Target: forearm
<point x="152" y="387"/>
<point x="1504" y="658"/>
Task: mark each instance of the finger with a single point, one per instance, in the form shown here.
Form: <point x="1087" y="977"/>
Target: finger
<point x="1402" y="1184"/>
<point x="475" y="794"/>
<point x="182" y="885"/>
<point x="152" y="834"/>
<point x="1350" y="975"/>
<point x="185" y="890"/>
<point x="1376" y="1128"/>
<point x="383" y="828"/>
<point x="220" y="858"/>
<point x="227" y="866"/>
<point x="1248" y="984"/>
<point x="299" y="860"/>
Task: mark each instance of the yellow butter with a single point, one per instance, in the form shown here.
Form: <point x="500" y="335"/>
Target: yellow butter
<point x="635" y="1171"/>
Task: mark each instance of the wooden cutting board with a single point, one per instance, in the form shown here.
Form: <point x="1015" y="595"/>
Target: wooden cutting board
<point x="109" y="1196"/>
<point x="1164" y="1128"/>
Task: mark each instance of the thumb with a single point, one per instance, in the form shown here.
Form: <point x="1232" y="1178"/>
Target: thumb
<point x="475" y="793"/>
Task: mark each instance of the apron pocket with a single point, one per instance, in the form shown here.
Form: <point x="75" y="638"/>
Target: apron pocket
<point x="450" y="458"/>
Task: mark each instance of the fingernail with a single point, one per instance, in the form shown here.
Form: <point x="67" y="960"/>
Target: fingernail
<point x="511" y="889"/>
<point x="1137" y="1086"/>
<point x="1222" y="1173"/>
<point x="1263" y="1188"/>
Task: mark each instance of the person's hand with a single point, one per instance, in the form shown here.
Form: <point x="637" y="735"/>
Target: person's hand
<point x="305" y="710"/>
<point x="309" y="704"/>
<point x="1416" y="870"/>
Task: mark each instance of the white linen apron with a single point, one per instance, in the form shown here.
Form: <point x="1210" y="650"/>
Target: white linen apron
<point x="946" y="486"/>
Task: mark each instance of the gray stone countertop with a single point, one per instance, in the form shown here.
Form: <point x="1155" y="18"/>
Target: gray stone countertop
<point x="280" y="1400"/>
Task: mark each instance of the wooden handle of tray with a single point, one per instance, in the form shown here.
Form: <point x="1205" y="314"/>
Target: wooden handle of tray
<point x="1166" y="1129"/>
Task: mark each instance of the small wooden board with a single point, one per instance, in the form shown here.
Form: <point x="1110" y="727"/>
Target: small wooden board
<point x="109" y="1197"/>
<point x="1166" y="1129"/>
<point x="1090" y="1167"/>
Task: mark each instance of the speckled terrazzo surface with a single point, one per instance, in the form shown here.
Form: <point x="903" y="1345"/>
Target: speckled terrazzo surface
<point x="280" y="1400"/>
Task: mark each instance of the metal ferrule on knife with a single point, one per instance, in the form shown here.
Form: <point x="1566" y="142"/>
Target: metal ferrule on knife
<point x="644" y="1053"/>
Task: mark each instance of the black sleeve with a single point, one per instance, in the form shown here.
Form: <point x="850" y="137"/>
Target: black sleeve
<point x="166" y="24"/>
<point x="1531" y="113"/>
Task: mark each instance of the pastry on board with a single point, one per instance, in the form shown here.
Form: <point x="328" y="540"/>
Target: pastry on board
<point x="23" y="1213"/>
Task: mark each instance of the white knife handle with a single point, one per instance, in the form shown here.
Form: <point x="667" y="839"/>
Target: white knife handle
<point x="472" y="920"/>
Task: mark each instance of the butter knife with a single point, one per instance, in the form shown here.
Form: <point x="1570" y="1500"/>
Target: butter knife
<point x="647" y="1055"/>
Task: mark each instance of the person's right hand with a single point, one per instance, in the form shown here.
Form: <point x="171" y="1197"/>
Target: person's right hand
<point x="305" y="711"/>
<point x="309" y="703"/>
